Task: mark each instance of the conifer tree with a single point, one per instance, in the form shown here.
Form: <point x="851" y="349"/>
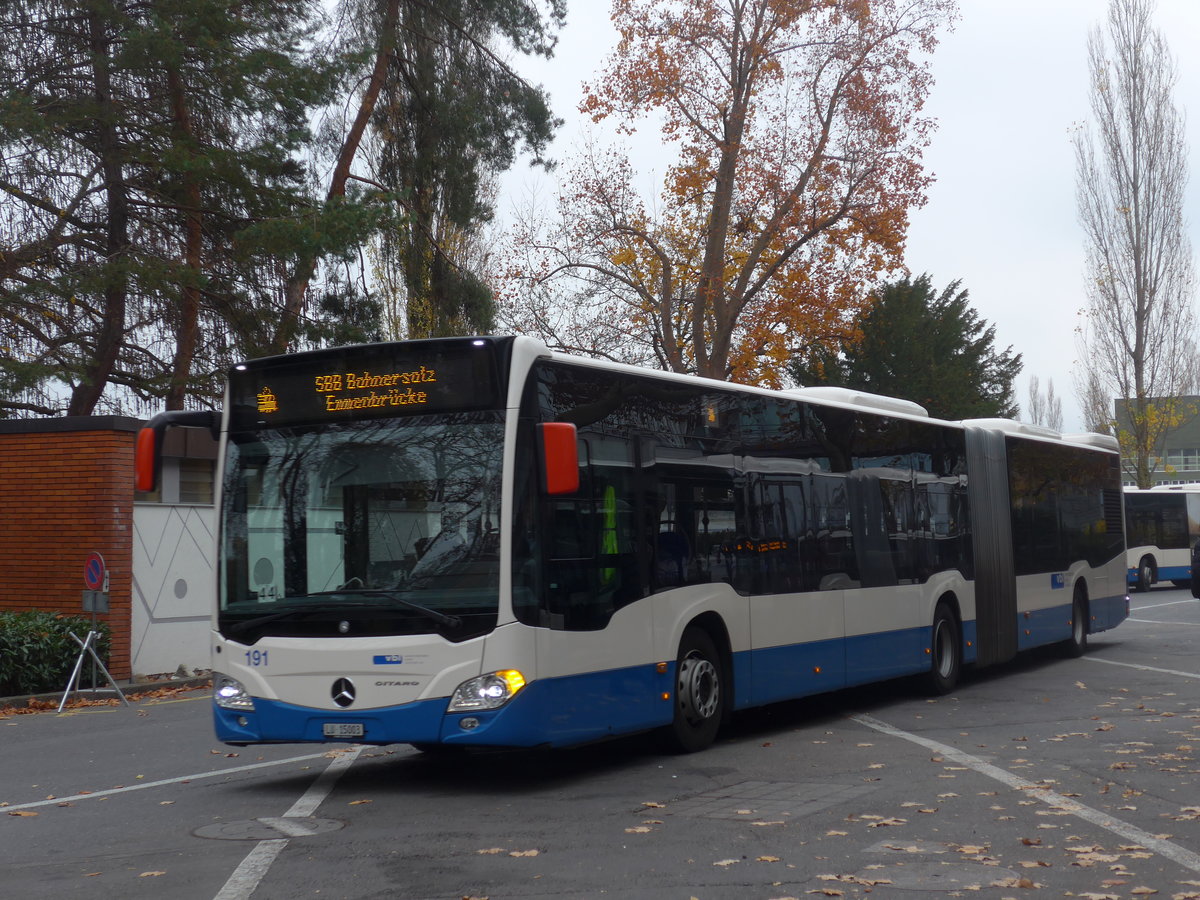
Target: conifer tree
<point x="933" y="349"/>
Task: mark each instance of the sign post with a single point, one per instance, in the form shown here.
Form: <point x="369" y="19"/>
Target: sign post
<point x="95" y="600"/>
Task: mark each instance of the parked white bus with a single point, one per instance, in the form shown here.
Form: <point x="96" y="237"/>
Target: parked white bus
<point x="1162" y="524"/>
<point x="479" y="542"/>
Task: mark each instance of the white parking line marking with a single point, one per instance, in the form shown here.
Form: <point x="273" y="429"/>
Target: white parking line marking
<point x="1168" y="603"/>
<point x="247" y="876"/>
<point x="1160" y="622"/>
<point x="1113" y="662"/>
<point x="1165" y="848"/>
<point x="152" y="784"/>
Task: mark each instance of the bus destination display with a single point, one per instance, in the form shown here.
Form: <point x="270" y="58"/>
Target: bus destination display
<point x="324" y="386"/>
<point x="350" y="390"/>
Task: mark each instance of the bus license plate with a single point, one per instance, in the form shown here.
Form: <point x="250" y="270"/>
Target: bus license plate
<point x="343" y="729"/>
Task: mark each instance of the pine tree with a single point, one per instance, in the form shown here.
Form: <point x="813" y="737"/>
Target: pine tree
<point x="933" y="349"/>
<point x="148" y="163"/>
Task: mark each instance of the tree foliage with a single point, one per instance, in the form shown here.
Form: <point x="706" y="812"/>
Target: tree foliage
<point x="451" y="114"/>
<point x="798" y="136"/>
<point x="918" y="345"/>
<point x="1138" y="339"/>
<point x="141" y="145"/>
<point x="161" y="214"/>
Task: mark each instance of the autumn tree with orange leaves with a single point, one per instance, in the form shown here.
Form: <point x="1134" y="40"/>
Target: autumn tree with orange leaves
<point x="797" y="136"/>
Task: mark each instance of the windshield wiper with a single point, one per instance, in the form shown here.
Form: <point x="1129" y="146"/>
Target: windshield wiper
<point x="440" y="617"/>
<point x="296" y="611"/>
<point x="300" y="612"/>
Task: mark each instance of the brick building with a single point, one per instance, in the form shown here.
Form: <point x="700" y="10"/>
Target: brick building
<point x="68" y="492"/>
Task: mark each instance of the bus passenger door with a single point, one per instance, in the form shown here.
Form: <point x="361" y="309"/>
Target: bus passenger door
<point x="596" y="641"/>
<point x="883" y="613"/>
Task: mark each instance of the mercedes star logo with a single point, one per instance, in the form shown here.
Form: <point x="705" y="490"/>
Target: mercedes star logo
<point x="343" y="692"/>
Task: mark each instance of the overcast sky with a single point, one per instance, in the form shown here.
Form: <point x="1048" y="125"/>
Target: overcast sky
<point x="1011" y="81"/>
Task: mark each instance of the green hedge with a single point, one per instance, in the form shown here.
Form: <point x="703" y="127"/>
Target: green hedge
<point x="37" y="655"/>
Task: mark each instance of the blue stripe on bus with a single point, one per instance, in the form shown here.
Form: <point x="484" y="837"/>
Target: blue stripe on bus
<point x="576" y="709"/>
<point x="1165" y="573"/>
<point x="1040" y="627"/>
<point x="274" y="721"/>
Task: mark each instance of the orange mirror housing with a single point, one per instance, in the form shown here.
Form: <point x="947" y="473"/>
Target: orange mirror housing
<point x="559" y="446"/>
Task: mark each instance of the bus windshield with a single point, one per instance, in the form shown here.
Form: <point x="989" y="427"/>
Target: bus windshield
<point x="383" y="526"/>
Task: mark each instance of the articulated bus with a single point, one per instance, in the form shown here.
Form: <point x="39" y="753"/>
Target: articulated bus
<point x="477" y="542"/>
<point x="1162" y="524"/>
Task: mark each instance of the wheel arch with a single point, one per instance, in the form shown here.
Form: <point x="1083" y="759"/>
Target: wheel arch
<point x="1080" y="589"/>
<point x="950" y="598"/>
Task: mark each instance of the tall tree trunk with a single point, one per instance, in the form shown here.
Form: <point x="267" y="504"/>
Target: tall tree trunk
<point x="306" y="266"/>
<point x="187" y="330"/>
<point x="86" y="394"/>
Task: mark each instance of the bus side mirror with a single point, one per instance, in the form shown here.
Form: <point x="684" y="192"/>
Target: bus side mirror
<point x="559" y="450"/>
<point x="147" y="453"/>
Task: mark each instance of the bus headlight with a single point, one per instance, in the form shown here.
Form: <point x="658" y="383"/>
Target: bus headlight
<point x="229" y="693"/>
<point x="489" y="691"/>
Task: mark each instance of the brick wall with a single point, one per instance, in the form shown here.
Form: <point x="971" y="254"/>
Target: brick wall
<point x="68" y="491"/>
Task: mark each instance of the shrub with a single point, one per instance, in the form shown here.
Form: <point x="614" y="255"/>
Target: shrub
<point x="36" y="653"/>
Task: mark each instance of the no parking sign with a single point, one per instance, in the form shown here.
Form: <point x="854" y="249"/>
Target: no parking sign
<point x="95" y="574"/>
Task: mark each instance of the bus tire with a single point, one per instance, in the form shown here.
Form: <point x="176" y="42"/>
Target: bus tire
<point x="946" y="650"/>
<point x="1076" y="644"/>
<point x="699" y="692"/>
<point x="1145" y="574"/>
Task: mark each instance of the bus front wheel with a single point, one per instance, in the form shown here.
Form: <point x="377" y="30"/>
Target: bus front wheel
<point x="946" y="649"/>
<point x="699" y="692"/>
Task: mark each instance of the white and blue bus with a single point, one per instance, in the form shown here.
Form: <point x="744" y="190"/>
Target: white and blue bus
<point x="1162" y="524"/>
<point x="479" y="542"/>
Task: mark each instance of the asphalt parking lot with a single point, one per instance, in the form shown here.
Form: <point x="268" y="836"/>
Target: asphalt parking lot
<point x="1046" y="777"/>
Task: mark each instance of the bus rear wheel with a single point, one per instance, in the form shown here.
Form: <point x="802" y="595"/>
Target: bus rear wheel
<point x="1145" y="574"/>
<point x="699" y="692"/>
<point x="946" y="649"/>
